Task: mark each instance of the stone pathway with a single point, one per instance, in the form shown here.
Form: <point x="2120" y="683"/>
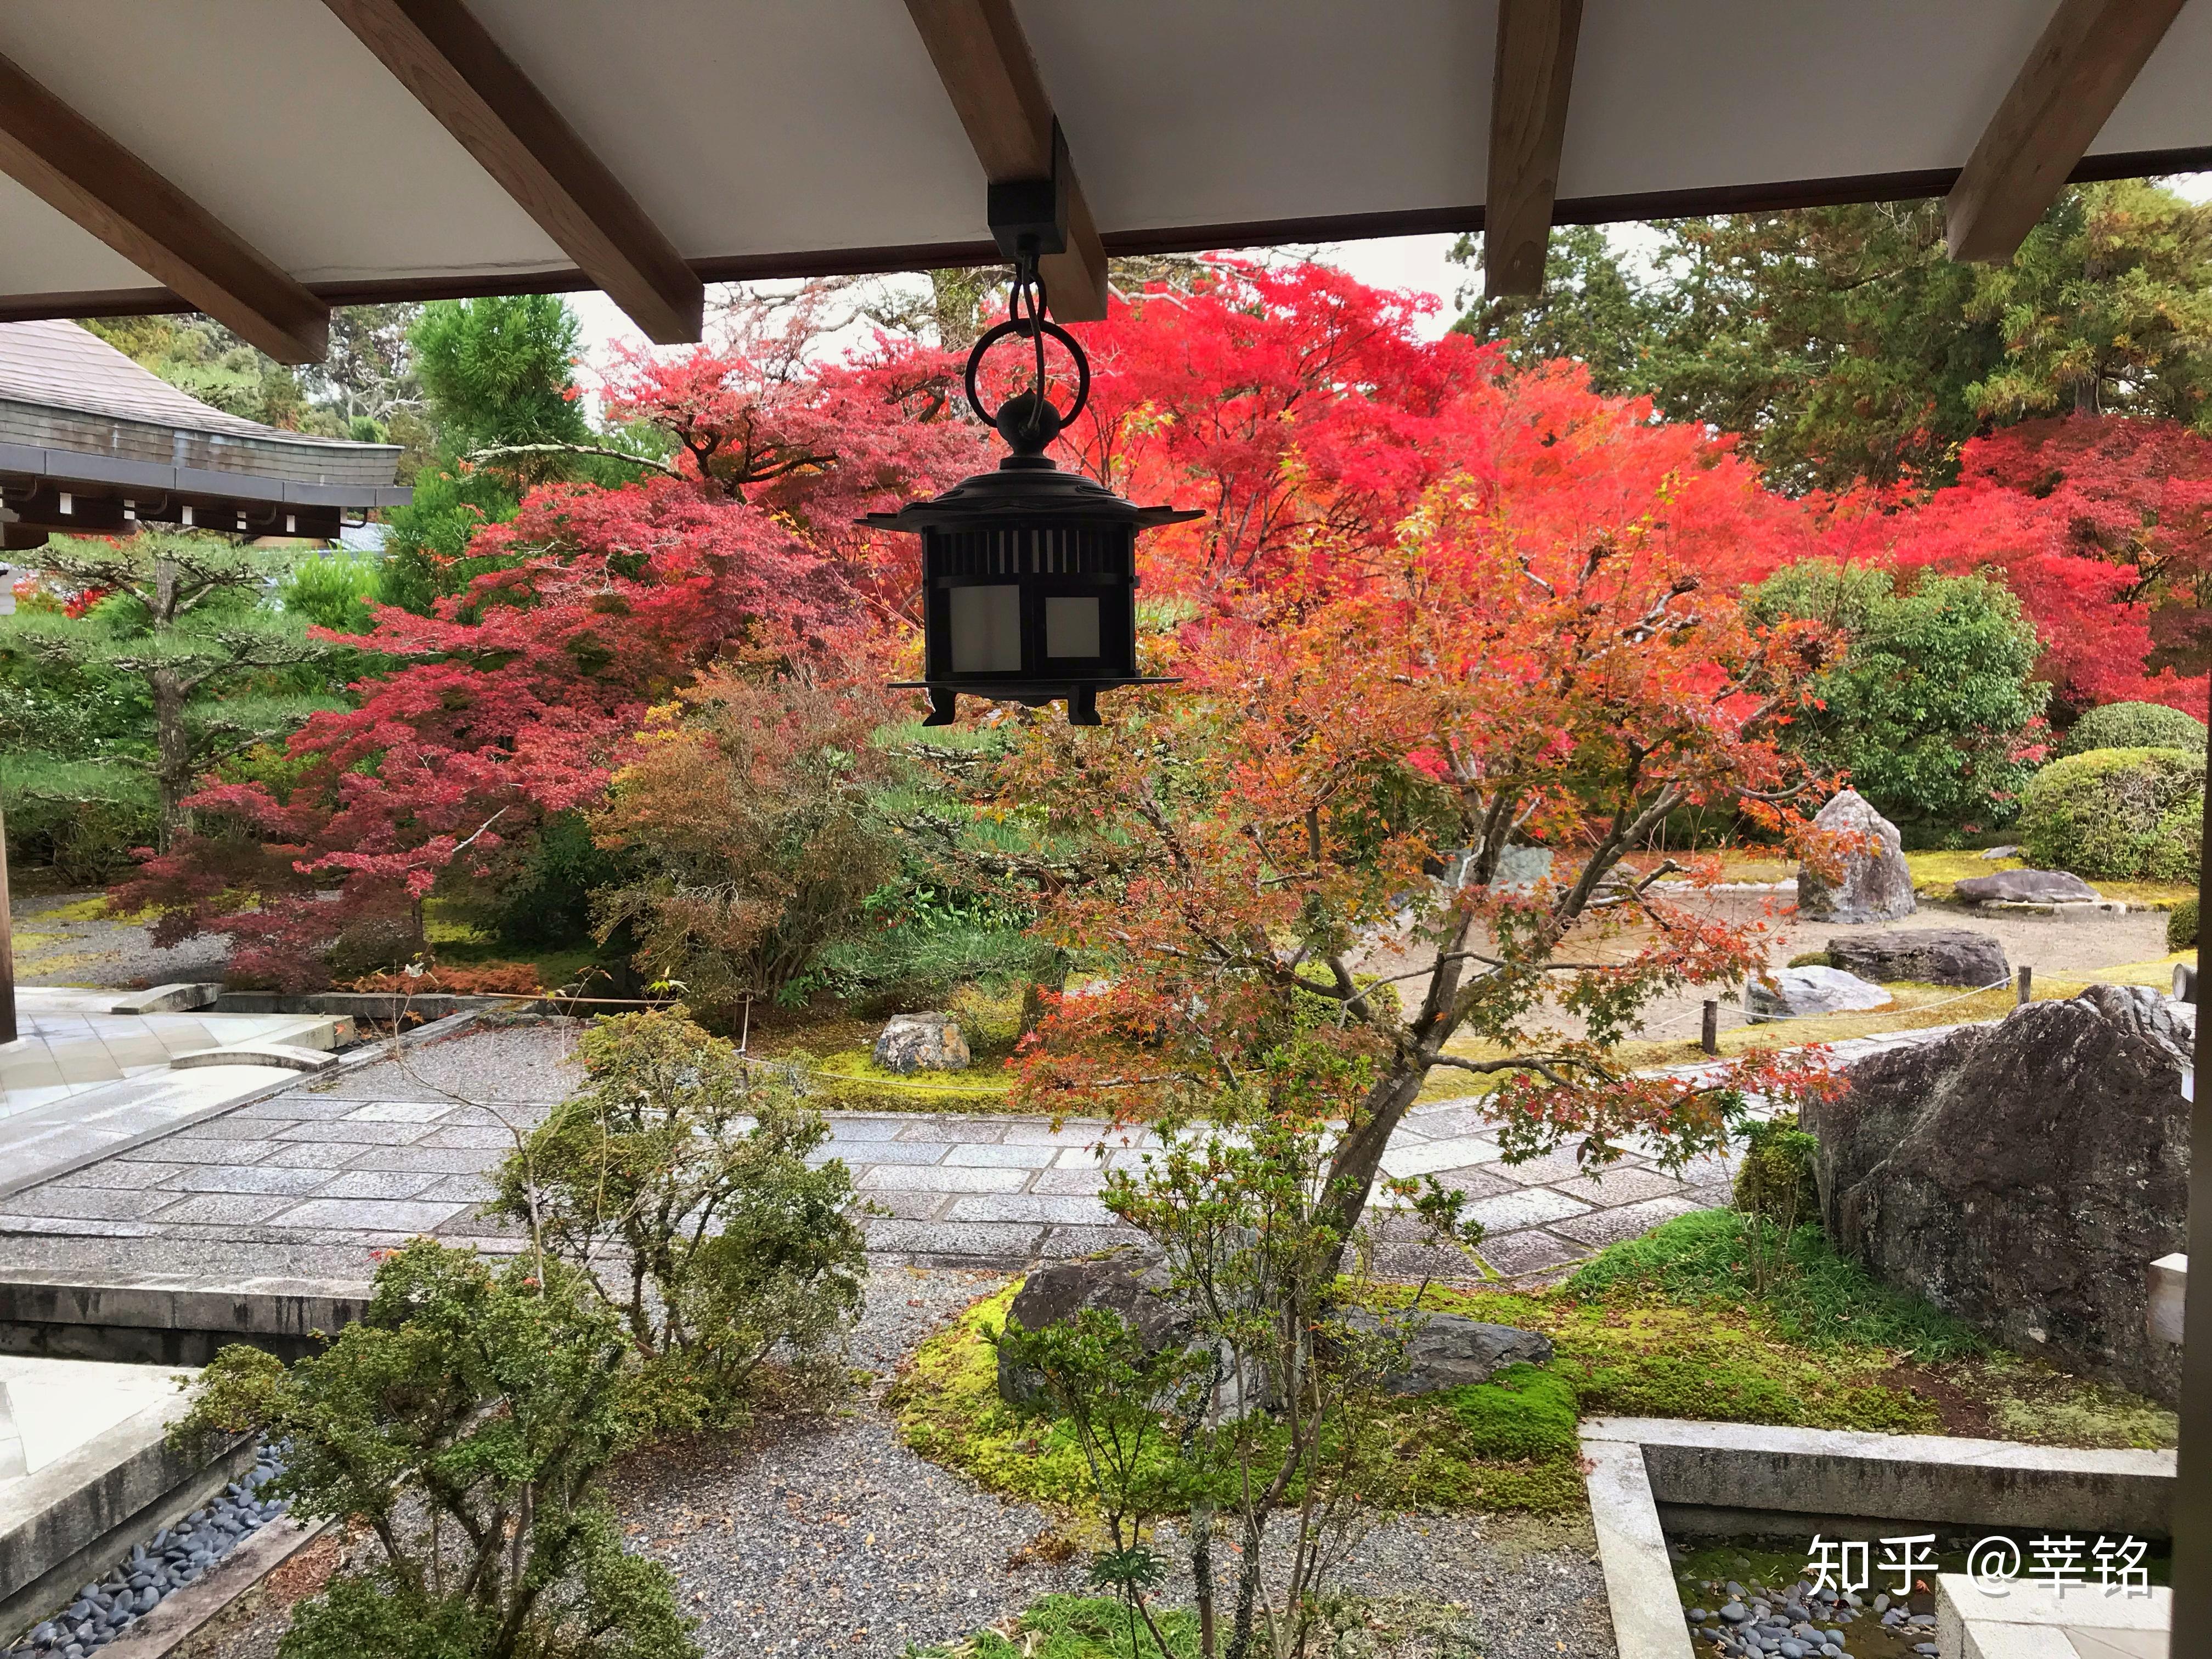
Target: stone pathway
<point x="79" y="1080"/>
<point x="327" y="1170"/>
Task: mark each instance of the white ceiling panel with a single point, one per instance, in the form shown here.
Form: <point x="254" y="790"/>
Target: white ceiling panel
<point x="757" y="126"/>
<point x="272" y="116"/>
<point x="768" y="131"/>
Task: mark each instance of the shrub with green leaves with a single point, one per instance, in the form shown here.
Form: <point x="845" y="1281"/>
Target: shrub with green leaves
<point x="2181" y="926"/>
<point x="1934" y="709"/>
<point x="2117" y="815"/>
<point x="464" y="1421"/>
<point x="685" y="1167"/>
<point x="2135" y="725"/>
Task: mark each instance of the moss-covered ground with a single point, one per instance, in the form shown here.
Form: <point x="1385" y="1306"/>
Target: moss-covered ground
<point x="1668" y="1325"/>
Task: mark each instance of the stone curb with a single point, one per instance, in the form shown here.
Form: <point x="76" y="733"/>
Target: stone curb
<point x="281" y="1056"/>
<point x="86" y="1508"/>
<point x="182" y="1614"/>
<point x="1639" y="1578"/>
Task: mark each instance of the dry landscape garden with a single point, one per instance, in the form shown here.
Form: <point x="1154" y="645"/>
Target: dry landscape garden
<point x="1649" y="889"/>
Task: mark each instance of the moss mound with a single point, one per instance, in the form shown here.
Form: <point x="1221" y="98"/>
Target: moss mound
<point x="2135" y="725"/>
<point x="1666" y="1325"/>
<point x="2116" y="814"/>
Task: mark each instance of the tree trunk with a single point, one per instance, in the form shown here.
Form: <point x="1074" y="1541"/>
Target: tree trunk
<point x="7" y="1032"/>
<point x="173" y="754"/>
<point x="173" y="750"/>
<point x="1359" y="1156"/>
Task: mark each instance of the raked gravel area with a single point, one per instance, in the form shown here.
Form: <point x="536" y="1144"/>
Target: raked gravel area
<point x="823" y="1535"/>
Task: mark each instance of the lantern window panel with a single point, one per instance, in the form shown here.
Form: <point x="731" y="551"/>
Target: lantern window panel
<point x="1072" y="629"/>
<point x="986" y="628"/>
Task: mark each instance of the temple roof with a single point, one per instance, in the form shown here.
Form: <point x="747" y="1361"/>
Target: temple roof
<point x="74" y="408"/>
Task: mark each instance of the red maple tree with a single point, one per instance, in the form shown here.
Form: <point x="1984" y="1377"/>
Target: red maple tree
<point x="511" y="702"/>
<point x="1535" y="660"/>
<point x="2101" y="525"/>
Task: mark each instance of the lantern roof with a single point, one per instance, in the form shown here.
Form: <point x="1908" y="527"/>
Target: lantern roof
<point x="1025" y="491"/>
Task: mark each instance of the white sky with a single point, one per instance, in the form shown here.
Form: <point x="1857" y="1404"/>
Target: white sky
<point x="1394" y="262"/>
<point x="1418" y="263"/>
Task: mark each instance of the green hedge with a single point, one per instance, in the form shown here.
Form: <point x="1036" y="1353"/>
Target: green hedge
<point x="2181" y="926"/>
<point x="2135" y="725"/>
<point x="2116" y="814"/>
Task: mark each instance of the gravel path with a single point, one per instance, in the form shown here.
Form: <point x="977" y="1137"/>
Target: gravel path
<point x="825" y="1534"/>
<point x="63" y="950"/>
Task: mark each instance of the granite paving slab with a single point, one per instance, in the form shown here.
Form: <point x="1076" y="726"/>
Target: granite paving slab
<point x="331" y="1170"/>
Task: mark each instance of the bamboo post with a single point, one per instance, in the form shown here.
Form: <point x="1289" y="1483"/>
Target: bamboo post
<point x="1709" y="1038"/>
<point x="7" y="1032"/>
<point x="2026" y="984"/>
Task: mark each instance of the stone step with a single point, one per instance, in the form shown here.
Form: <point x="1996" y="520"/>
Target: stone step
<point x="289" y="1056"/>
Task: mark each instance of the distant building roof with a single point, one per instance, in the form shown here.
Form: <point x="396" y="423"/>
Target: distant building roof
<point x="92" y="442"/>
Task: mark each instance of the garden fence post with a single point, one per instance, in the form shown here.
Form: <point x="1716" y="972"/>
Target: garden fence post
<point x="1709" y="1038"/>
<point x="2026" y="983"/>
<point x="2192" y="1485"/>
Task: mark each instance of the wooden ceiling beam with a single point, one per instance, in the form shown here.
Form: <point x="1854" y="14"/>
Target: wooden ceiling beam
<point x="2088" y="56"/>
<point x="991" y="75"/>
<point x="1531" y="75"/>
<point x="79" y="171"/>
<point x="440" y="53"/>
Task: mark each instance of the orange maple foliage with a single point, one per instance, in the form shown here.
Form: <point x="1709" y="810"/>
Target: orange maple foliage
<point x="1534" y="660"/>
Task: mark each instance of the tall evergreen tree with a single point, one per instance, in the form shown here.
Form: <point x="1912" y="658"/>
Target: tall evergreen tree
<point x="493" y="373"/>
<point x="1845" y="344"/>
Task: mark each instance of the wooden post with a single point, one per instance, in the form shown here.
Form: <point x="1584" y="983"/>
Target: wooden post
<point x="7" y="1032"/>
<point x="1709" y="1038"/>
<point x="2192" y="1476"/>
<point x="2026" y="984"/>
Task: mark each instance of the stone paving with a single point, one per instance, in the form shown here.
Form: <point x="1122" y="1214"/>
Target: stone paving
<point x="79" y="1080"/>
<point x="329" y="1169"/>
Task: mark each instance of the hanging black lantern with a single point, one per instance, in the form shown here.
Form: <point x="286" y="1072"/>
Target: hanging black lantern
<point x="1029" y="574"/>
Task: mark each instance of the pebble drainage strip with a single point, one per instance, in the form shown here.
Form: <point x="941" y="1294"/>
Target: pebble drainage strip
<point x="174" y="1558"/>
<point x="1744" y="1621"/>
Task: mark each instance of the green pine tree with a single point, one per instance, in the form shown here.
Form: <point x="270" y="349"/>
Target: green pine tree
<point x="192" y="663"/>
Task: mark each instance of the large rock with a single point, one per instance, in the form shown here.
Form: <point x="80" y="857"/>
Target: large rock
<point x="1798" y="992"/>
<point x="1444" y="1351"/>
<point x="2026" y="887"/>
<point x="922" y="1043"/>
<point x="1449" y="1350"/>
<point x="1130" y="1283"/>
<point x="1521" y="869"/>
<point x="1874" y="884"/>
<point x="1931" y="955"/>
<point x="2024" y="1174"/>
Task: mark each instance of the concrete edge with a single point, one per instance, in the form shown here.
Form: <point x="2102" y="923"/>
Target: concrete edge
<point x="83" y="1510"/>
<point x="170" y="1325"/>
<point x="182" y="1615"/>
<point x="367" y="1054"/>
<point x="1639" y="1576"/>
<point x="179" y="997"/>
<point x="1635" y="1467"/>
<point x="1829" y="1472"/>
<point x="1975" y="1624"/>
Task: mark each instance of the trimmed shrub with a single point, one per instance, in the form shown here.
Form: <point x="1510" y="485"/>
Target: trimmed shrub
<point x="2135" y="725"/>
<point x="2116" y="814"/>
<point x="2181" y="926"/>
